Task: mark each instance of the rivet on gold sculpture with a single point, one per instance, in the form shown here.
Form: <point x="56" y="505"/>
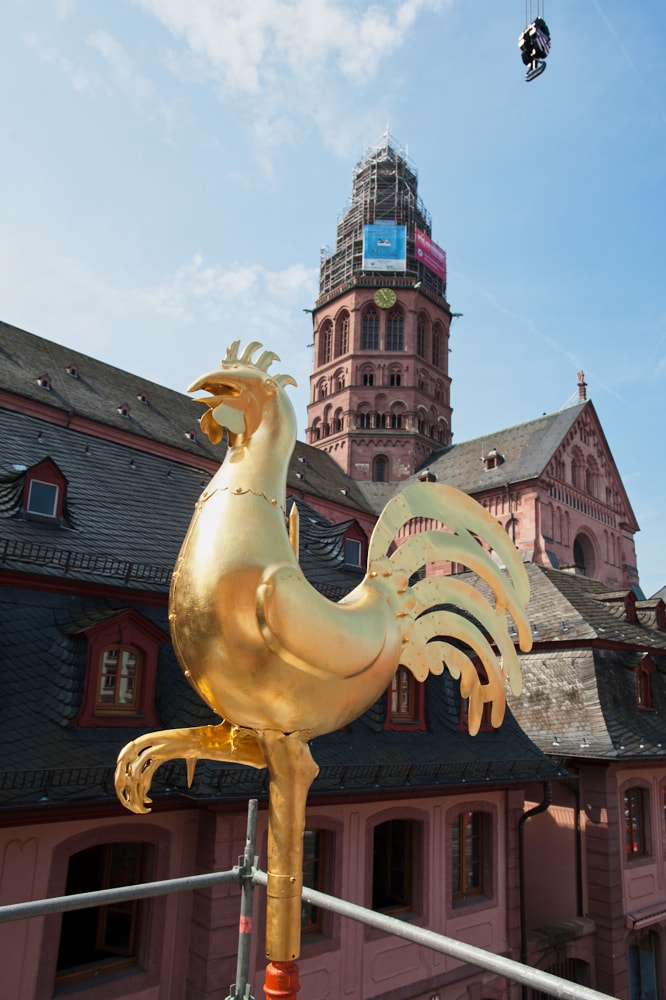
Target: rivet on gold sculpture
<point x="278" y="662"/>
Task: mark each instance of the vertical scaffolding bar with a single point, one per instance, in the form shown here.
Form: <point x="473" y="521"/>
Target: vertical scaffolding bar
<point x="246" y="866"/>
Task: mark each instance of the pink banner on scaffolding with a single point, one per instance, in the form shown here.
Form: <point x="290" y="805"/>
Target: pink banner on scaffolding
<point x="429" y="254"/>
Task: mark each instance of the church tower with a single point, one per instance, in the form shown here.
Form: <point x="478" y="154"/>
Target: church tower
<point x="380" y="387"/>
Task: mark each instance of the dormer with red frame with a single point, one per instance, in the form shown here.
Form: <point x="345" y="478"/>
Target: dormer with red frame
<point x="121" y="672"/>
<point x="44" y="493"/>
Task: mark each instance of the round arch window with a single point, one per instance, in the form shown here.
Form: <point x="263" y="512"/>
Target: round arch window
<point x="583" y="554"/>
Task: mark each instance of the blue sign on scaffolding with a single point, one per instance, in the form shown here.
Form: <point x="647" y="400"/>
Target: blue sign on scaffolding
<point x="384" y="247"/>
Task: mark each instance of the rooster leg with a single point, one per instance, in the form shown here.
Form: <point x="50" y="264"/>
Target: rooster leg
<point x="292" y="771"/>
<point x="138" y="761"/>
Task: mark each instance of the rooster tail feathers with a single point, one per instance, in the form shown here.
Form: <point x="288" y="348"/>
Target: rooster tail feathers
<point x="446" y="621"/>
<point x="459" y="513"/>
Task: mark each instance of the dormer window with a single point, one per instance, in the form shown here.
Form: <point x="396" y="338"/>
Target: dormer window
<point x="44" y="492"/>
<point x="73" y="370"/>
<point x="124" y="410"/>
<point x="119" y="680"/>
<point x="405" y="708"/>
<point x="493" y="459"/>
<point x="42" y="498"/>
<point x="44" y="381"/>
<point x="643" y="681"/>
<point x="191" y="435"/>
<point x="121" y="672"/>
<point x="352" y="552"/>
<point x="143" y="397"/>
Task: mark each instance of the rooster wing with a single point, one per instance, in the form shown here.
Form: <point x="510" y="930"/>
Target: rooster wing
<point x="386" y="620"/>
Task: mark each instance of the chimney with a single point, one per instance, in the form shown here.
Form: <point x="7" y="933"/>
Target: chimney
<point x="582" y="387"/>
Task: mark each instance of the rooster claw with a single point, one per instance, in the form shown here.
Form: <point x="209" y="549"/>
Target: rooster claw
<point x="138" y="761"/>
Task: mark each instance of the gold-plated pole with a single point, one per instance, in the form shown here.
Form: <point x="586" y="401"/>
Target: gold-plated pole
<point x="292" y="771"/>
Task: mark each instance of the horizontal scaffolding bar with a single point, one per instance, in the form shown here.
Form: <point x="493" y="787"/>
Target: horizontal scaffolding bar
<point x="84" y="900"/>
<point x="498" y="964"/>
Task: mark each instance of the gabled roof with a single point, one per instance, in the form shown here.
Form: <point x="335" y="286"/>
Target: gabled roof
<point x="526" y="449"/>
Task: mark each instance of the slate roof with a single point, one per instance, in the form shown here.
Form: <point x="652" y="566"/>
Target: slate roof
<point x="126" y="515"/>
<point x="98" y="392"/>
<point x="526" y="448"/>
<point x="165" y="419"/>
<point x="579" y="696"/>
<point x="47" y="759"/>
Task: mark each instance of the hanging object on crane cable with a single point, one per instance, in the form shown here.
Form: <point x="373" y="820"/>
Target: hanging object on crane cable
<point x="534" y="41"/>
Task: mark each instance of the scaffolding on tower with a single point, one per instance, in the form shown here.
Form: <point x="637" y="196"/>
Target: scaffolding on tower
<point x="384" y="189"/>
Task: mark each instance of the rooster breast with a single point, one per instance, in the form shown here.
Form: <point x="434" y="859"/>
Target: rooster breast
<point x="258" y="643"/>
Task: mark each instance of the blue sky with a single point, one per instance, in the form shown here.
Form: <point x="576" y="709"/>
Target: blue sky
<point x="171" y="168"/>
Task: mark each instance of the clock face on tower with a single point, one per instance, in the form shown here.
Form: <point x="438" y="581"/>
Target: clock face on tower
<point x="385" y="298"/>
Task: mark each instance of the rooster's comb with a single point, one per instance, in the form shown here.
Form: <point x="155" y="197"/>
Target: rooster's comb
<point x="263" y="363"/>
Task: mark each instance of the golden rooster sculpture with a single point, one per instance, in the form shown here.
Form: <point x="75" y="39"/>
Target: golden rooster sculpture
<point x="279" y="662"/>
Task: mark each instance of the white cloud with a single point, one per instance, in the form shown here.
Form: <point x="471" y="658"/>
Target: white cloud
<point x="80" y="79"/>
<point x="137" y="88"/>
<point x="285" y="58"/>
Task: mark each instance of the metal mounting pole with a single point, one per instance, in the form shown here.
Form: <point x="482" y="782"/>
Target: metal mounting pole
<point x="240" y="990"/>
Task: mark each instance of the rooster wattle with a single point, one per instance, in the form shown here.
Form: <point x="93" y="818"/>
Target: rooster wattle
<point x="278" y="661"/>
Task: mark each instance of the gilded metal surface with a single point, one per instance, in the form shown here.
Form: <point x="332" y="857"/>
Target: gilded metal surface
<point x="279" y="662"/>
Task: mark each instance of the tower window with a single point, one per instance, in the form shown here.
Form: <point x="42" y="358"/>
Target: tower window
<point x="420" y="337"/>
<point x="368" y="378"/>
<point x="435" y="348"/>
<point x="396" y="421"/>
<point x="370" y="331"/>
<point x="343" y="339"/>
<point x="326" y="342"/>
<point x="380" y="469"/>
<point x="395" y="331"/>
<point x="394" y="378"/>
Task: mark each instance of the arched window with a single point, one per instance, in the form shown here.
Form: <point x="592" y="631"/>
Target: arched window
<point x="343" y="333"/>
<point x="395" y="337"/>
<point x="370" y="331"/>
<point x="636" y="822"/>
<point x="363" y="420"/>
<point x="396" y="421"/>
<point x="395" y="378"/>
<point x="436" y="344"/>
<point x="102" y="939"/>
<point x="368" y="378"/>
<point x="421" y="336"/>
<point x="583" y="555"/>
<point x="326" y="343"/>
<point x="380" y="469"/>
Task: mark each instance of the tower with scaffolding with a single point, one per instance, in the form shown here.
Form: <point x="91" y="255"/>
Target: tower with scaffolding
<point x="380" y="390"/>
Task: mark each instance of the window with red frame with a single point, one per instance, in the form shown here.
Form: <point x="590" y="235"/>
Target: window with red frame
<point x="119" y="680"/>
<point x="635" y="823"/>
<point x="317" y="865"/>
<point x="643" y="682"/>
<point x="102" y="939"/>
<point x="468" y="835"/>
<point x="392" y="870"/>
<point x="403" y="696"/>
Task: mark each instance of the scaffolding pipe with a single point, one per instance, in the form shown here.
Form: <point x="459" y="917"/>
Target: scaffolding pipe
<point x="247" y="864"/>
<point x="102" y="897"/>
<point x="501" y="966"/>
